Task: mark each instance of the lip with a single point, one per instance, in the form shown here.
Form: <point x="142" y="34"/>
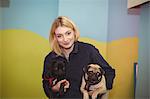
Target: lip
<point x="66" y="43"/>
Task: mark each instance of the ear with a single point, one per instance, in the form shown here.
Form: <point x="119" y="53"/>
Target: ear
<point x="85" y="68"/>
<point x="102" y="71"/>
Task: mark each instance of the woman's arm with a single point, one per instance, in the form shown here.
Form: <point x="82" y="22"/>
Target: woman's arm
<point x="97" y="58"/>
<point x="47" y="80"/>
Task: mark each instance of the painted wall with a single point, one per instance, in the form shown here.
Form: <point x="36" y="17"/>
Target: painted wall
<point x="91" y="16"/>
<point x="0" y="62"/>
<point x="121" y="24"/>
<point x="143" y="87"/>
<point x="25" y="41"/>
<point x="33" y="15"/>
<point x="23" y="56"/>
<point x="1" y="15"/>
<point x="25" y="31"/>
<point x="122" y="54"/>
<point x="122" y="47"/>
<point x="149" y="51"/>
<point x="0" y="53"/>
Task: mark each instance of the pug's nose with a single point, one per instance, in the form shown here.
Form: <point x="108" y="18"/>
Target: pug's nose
<point x="94" y="77"/>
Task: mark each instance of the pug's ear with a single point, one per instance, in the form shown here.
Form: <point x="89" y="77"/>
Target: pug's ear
<point x="102" y="71"/>
<point x="85" y="68"/>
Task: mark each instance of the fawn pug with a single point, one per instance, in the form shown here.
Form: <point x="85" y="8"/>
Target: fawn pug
<point x="93" y="82"/>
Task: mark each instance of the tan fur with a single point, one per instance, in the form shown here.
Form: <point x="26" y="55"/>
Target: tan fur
<point x="99" y="88"/>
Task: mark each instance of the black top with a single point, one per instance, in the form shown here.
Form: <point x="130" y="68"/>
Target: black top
<point x="82" y="55"/>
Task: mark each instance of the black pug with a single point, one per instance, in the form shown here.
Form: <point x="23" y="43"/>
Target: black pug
<point x="57" y="72"/>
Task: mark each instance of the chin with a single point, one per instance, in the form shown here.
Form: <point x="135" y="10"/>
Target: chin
<point x="67" y="46"/>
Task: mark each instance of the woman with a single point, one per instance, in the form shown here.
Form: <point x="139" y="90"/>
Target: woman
<point x="65" y="45"/>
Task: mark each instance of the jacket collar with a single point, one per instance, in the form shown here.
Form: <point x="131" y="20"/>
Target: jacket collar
<point x="76" y="47"/>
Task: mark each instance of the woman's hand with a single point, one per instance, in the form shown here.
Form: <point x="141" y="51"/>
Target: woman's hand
<point x="67" y="84"/>
<point x="57" y="86"/>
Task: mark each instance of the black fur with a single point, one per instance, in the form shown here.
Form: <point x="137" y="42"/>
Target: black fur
<point x="57" y="71"/>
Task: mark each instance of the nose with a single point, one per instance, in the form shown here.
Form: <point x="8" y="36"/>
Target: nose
<point x="65" y="38"/>
<point x="93" y="77"/>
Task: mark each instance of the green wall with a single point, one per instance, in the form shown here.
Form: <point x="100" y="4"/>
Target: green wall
<point x="23" y="57"/>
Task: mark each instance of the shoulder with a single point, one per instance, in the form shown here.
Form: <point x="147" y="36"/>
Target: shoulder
<point x="50" y="55"/>
<point x="86" y="46"/>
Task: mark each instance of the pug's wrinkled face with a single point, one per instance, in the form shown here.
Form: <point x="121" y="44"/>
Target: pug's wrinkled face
<point x="94" y="73"/>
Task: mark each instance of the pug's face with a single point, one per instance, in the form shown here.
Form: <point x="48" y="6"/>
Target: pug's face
<point x="93" y="73"/>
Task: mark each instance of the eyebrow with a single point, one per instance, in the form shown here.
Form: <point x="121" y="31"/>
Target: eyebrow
<point x="65" y="32"/>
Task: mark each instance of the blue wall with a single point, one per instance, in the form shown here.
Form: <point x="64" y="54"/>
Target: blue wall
<point x="0" y="18"/>
<point x="120" y="23"/>
<point x="33" y="15"/>
<point x="91" y="16"/>
<point x="102" y="20"/>
<point x="142" y="91"/>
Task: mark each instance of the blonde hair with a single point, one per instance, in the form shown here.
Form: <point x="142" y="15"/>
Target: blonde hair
<point x="61" y="21"/>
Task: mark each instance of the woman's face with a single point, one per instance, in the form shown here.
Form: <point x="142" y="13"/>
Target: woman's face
<point x="65" y="37"/>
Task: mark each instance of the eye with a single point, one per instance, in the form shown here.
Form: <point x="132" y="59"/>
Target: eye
<point x="58" y="36"/>
<point x="63" y="68"/>
<point x="90" y="72"/>
<point x="55" y="68"/>
<point x="98" y="74"/>
<point x="68" y="33"/>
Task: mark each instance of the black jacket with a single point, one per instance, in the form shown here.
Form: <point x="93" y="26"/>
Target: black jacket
<point x="82" y="55"/>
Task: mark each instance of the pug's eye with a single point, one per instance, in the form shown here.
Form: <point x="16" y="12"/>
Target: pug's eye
<point x="90" y="72"/>
<point x="55" y="68"/>
<point x="63" y="68"/>
<point x="98" y="74"/>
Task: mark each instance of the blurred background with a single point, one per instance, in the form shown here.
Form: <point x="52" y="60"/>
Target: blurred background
<point x="119" y="30"/>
